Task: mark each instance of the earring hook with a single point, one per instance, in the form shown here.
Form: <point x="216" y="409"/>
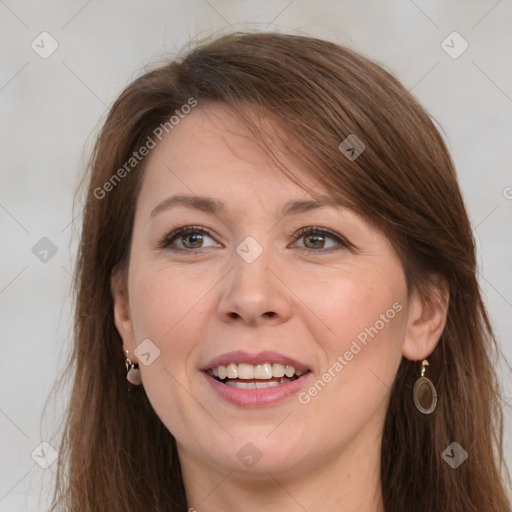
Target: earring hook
<point x="424" y="364"/>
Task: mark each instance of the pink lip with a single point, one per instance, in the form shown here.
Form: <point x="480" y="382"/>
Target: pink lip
<point x="256" y="397"/>
<point x="267" y="356"/>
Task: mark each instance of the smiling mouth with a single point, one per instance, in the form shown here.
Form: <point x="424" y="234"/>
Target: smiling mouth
<point x="248" y="376"/>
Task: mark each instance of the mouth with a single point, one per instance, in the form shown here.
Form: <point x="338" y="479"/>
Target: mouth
<point x="255" y="380"/>
<point x="258" y="376"/>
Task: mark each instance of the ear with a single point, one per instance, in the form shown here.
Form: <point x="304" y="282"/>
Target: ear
<point x="427" y="311"/>
<point x="122" y="315"/>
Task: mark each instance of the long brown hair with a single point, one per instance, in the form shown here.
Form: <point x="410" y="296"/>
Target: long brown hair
<point x="115" y="453"/>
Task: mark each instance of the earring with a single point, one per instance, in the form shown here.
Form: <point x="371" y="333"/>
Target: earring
<point x="424" y="393"/>
<point x="132" y="372"/>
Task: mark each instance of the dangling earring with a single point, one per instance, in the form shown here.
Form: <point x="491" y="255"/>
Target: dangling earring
<point x="132" y="372"/>
<point x="423" y="391"/>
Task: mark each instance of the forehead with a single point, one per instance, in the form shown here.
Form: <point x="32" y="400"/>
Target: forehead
<point x="211" y="152"/>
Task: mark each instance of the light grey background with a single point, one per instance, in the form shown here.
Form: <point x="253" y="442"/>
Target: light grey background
<point x="50" y="107"/>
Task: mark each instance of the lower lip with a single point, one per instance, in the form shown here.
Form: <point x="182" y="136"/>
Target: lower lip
<point x="258" y="397"/>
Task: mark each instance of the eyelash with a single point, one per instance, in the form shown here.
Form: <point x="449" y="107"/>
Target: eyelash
<point x="312" y="230"/>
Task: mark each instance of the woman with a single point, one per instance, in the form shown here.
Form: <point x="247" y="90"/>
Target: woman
<point x="276" y="255"/>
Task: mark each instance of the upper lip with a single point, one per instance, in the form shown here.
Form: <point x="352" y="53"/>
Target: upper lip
<point x="266" y="356"/>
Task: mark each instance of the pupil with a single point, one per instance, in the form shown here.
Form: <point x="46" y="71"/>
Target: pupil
<point x="195" y="239"/>
<point x="316" y="239"/>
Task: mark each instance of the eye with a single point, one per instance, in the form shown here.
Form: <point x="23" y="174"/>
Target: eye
<point x="192" y="238"/>
<point x="315" y="239"/>
<point x="187" y="237"/>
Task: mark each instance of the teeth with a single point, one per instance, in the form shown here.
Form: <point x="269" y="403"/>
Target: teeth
<point x="245" y="371"/>
<point x="266" y="384"/>
<point x="232" y="371"/>
<point x="255" y="385"/>
<point x="277" y="370"/>
<point x="241" y="385"/>
<point x="262" y="371"/>
<point x="289" y="371"/>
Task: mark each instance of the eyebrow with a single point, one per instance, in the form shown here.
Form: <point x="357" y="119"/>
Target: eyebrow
<point x="214" y="206"/>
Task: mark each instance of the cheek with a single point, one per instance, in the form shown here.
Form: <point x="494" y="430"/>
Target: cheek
<point x="356" y="303"/>
<point x="373" y="320"/>
<point x="365" y="313"/>
<point x="162" y="302"/>
<point x="168" y="309"/>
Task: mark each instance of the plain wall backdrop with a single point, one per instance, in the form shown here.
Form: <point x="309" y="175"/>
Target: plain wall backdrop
<point x="51" y="104"/>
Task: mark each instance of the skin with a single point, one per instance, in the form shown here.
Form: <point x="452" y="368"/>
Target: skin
<point x="323" y="455"/>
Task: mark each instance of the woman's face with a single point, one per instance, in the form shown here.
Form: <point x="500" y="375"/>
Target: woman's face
<point x="256" y="282"/>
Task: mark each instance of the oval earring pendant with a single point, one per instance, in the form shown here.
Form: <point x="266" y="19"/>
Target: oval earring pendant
<point x="134" y="376"/>
<point x="425" y="396"/>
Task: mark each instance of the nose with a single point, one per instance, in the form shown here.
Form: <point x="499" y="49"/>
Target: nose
<point x="255" y="293"/>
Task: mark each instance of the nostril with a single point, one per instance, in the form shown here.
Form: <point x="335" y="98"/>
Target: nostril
<point x="270" y="314"/>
